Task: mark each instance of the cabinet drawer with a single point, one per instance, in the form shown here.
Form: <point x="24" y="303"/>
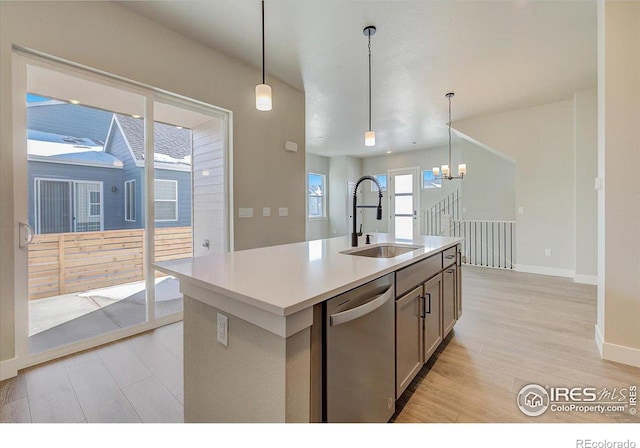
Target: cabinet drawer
<point x="411" y="276"/>
<point x="449" y="256"/>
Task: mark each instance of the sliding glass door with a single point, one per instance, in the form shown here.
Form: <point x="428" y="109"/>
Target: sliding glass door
<point x="116" y="178"/>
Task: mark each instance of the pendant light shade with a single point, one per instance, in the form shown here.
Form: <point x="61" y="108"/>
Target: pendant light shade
<point x="263" y="97"/>
<point x="369" y="136"/>
<point x="263" y="91"/>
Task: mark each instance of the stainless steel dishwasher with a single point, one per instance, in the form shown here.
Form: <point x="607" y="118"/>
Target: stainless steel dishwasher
<point x="359" y="376"/>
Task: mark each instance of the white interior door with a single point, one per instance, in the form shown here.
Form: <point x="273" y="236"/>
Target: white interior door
<point x="404" y="197"/>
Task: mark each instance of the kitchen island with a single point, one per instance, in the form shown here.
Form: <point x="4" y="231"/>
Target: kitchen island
<point x="264" y="306"/>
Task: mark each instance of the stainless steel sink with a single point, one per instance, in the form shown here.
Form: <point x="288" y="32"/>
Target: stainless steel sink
<point x="384" y="250"/>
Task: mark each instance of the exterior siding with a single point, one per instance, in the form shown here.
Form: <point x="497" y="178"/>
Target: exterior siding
<point x="70" y="119"/>
<point x="113" y="212"/>
<point x="117" y="146"/>
<point x="184" y="197"/>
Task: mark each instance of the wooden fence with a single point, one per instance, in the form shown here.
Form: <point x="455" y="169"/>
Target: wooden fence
<point x="62" y="263"/>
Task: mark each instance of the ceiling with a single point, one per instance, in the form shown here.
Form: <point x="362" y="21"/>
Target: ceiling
<point x="495" y="55"/>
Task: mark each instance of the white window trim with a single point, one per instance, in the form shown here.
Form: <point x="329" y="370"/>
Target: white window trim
<point x="324" y="197"/>
<point x="126" y="201"/>
<point x="175" y="182"/>
<point x="99" y="204"/>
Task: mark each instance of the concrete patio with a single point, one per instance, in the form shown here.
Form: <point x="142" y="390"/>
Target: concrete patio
<point x="60" y="320"/>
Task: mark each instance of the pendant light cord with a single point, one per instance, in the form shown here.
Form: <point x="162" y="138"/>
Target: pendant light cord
<point x="262" y="41"/>
<point x="369" y="81"/>
<point x="450" y="168"/>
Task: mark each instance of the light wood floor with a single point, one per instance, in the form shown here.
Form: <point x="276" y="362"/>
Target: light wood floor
<point x="516" y="329"/>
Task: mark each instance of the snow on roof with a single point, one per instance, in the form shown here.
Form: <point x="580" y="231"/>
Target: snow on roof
<point x="32" y="134"/>
<point x="63" y="152"/>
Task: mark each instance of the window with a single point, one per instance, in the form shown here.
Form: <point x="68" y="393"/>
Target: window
<point x="429" y="180"/>
<point x="382" y="180"/>
<point x="130" y="200"/>
<point x="94" y="204"/>
<point x="166" y="200"/>
<point x="317" y="203"/>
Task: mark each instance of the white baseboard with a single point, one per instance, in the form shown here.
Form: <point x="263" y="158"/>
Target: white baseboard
<point x="622" y="354"/>
<point x="543" y="270"/>
<point x="8" y="368"/>
<point x="586" y="279"/>
<point x="617" y="353"/>
<point x="599" y="339"/>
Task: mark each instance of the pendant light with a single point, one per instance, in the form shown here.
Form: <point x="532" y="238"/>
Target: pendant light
<point x="446" y="169"/>
<point x="263" y="91"/>
<point x="369" y="136"/>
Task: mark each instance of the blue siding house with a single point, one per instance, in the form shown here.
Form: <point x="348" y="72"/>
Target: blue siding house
<point x="86" y="170"/>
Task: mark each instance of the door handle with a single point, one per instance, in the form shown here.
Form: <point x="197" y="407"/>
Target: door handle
<point x="372" y="305"/>
<point x="25" y="235"/>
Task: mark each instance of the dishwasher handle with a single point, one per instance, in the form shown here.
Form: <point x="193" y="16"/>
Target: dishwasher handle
<point x="366" y="308"/>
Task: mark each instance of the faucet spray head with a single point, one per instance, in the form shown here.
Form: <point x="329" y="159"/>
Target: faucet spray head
<point x="379" y="211"/>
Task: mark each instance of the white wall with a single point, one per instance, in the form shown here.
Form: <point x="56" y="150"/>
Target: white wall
<point x="487" y="192"/>
<point x="342" y="170"/>
<point x="318" y="228"/>
<point x="618" y="328"/>
<point x="586" y="170"/>
<point x="110" y="38"/>
<point x="489" y="188"/>
<point x="541" y="141"/>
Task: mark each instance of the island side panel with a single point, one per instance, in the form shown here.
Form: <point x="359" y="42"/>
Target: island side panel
<point x="259" y="377"/>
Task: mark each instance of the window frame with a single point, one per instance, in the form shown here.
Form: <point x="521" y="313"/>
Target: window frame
<point x="324" y="197"/>
<point x="384" y="188"/>
<point x="156" y="200"/>
<point x="127" y="201"/>
<point x="99" y="203"/>
<point x="436" y="185"/>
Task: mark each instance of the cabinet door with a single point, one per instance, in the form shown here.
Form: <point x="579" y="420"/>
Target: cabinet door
<point x="449" y="286"/>
<point x="408" y="338"/>
<point x="432" y="320"/>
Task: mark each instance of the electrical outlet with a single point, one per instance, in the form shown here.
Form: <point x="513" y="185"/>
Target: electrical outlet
<point x="521" y="210"/>
<point x="266" y="211"/>
<point x="547" y="252"/>
<point x="222" y="333"/>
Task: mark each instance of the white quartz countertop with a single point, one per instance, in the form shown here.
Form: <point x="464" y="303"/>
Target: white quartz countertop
<point x="288" y="278"/>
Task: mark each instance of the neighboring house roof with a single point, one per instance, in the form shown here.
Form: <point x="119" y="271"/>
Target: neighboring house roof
<point x="33" y="134"/>
<point x="169" y="141"/>
<point x="54" y="152"/>
<point x="68" y="119"/>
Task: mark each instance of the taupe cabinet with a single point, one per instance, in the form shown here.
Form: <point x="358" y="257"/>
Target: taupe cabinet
<point x="429" y="302"/>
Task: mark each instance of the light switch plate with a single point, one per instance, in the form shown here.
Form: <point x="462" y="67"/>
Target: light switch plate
<point x="283" y="211"/>
<point x="266" y="211"/>
<point x="245" y="213"/>
<point x="521" y="210"/>
<point x="222" y="333"/>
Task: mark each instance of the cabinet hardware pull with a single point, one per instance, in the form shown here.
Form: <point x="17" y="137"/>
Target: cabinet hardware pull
<point x="449" y="271"/>
<point x="425" y="304"/>
<point x="450" y="256"/>
<point x="424" y="307"/>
